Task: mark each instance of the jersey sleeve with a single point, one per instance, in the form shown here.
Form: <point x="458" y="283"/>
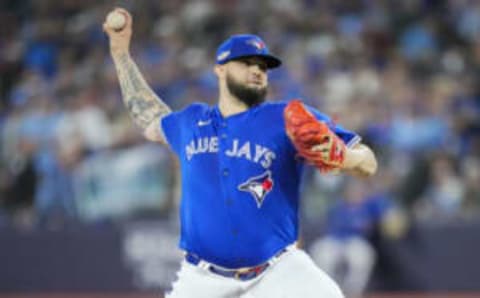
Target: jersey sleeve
<point x="171" y="127"/>
<point x="176" y="124"/>
<point x="349" y="137"/>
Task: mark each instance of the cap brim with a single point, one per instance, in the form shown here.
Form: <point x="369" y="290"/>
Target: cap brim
<point x="270" y="60"/>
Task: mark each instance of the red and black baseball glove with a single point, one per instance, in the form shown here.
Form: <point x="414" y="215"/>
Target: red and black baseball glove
<point x="313" y="139"/>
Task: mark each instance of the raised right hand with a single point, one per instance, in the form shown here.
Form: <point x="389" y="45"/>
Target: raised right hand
<point x="119" y="40"/>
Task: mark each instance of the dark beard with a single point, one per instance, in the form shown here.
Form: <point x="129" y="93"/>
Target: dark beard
<point x="250" y="96"/>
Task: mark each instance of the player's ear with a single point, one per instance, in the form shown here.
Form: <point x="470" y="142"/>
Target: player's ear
<point x="219" y="70"/>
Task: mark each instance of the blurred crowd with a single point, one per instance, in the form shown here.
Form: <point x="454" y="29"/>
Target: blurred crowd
<point x="403" y="74"/>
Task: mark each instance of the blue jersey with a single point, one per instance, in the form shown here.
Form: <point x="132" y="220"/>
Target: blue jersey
<point x="346" y="219"/>
<point x="240" y="181"/>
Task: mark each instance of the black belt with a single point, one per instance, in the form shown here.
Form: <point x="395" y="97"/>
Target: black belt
<point x="244" y="274"/>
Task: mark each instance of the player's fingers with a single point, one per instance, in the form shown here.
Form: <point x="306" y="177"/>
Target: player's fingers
<point x="109" y="31"/>
<point x="122" y="10"/>
<point x="105" y="28"/>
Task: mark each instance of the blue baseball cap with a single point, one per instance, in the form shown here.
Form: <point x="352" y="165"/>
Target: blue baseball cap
<point x="245" y="45"/>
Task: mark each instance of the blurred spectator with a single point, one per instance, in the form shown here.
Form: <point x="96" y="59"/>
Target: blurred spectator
<point x="345" y="251"/>
<point x="39" y="128"/>
<point x="444" y="196"/>
<point x="84" y="123"/>
<point x="471" y="170"/>
<point x="18" y="182"/>
<point x="418" y="42"/>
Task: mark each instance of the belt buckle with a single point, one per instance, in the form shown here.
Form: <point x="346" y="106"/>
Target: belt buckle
<point x="240" y="272"/>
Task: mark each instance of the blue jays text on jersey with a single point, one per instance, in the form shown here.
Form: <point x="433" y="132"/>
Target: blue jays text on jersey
<point x="240" y="181"/>
<point x="253" y="152"/>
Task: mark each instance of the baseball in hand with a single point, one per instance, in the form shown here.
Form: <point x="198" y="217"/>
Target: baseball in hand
<point x="116" y="20"/>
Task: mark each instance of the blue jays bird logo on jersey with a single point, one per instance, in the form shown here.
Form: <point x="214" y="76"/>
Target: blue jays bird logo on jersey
<point x="258" y="187"/>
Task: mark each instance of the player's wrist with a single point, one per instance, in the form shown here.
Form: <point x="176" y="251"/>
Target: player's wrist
<point x="119" y="54"/>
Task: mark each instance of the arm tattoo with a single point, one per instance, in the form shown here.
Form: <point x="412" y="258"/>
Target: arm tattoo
<point x="142" y="103"/>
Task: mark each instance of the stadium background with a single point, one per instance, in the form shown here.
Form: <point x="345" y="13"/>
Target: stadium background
<point x="87" y="206"/>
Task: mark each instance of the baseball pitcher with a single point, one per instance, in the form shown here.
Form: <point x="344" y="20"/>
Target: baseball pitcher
<point x="241" y="162"/>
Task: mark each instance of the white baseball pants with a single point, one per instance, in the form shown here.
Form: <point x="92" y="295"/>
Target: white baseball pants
<point x="293" y="275"/>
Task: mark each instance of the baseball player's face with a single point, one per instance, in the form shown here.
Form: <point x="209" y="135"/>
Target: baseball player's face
<point x="247" y="80"/>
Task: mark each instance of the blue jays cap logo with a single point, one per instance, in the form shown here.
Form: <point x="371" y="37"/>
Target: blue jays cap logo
<point x="245" y="45"/>
<point x="258" y="187"/>
<point x="260" y="45"/>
